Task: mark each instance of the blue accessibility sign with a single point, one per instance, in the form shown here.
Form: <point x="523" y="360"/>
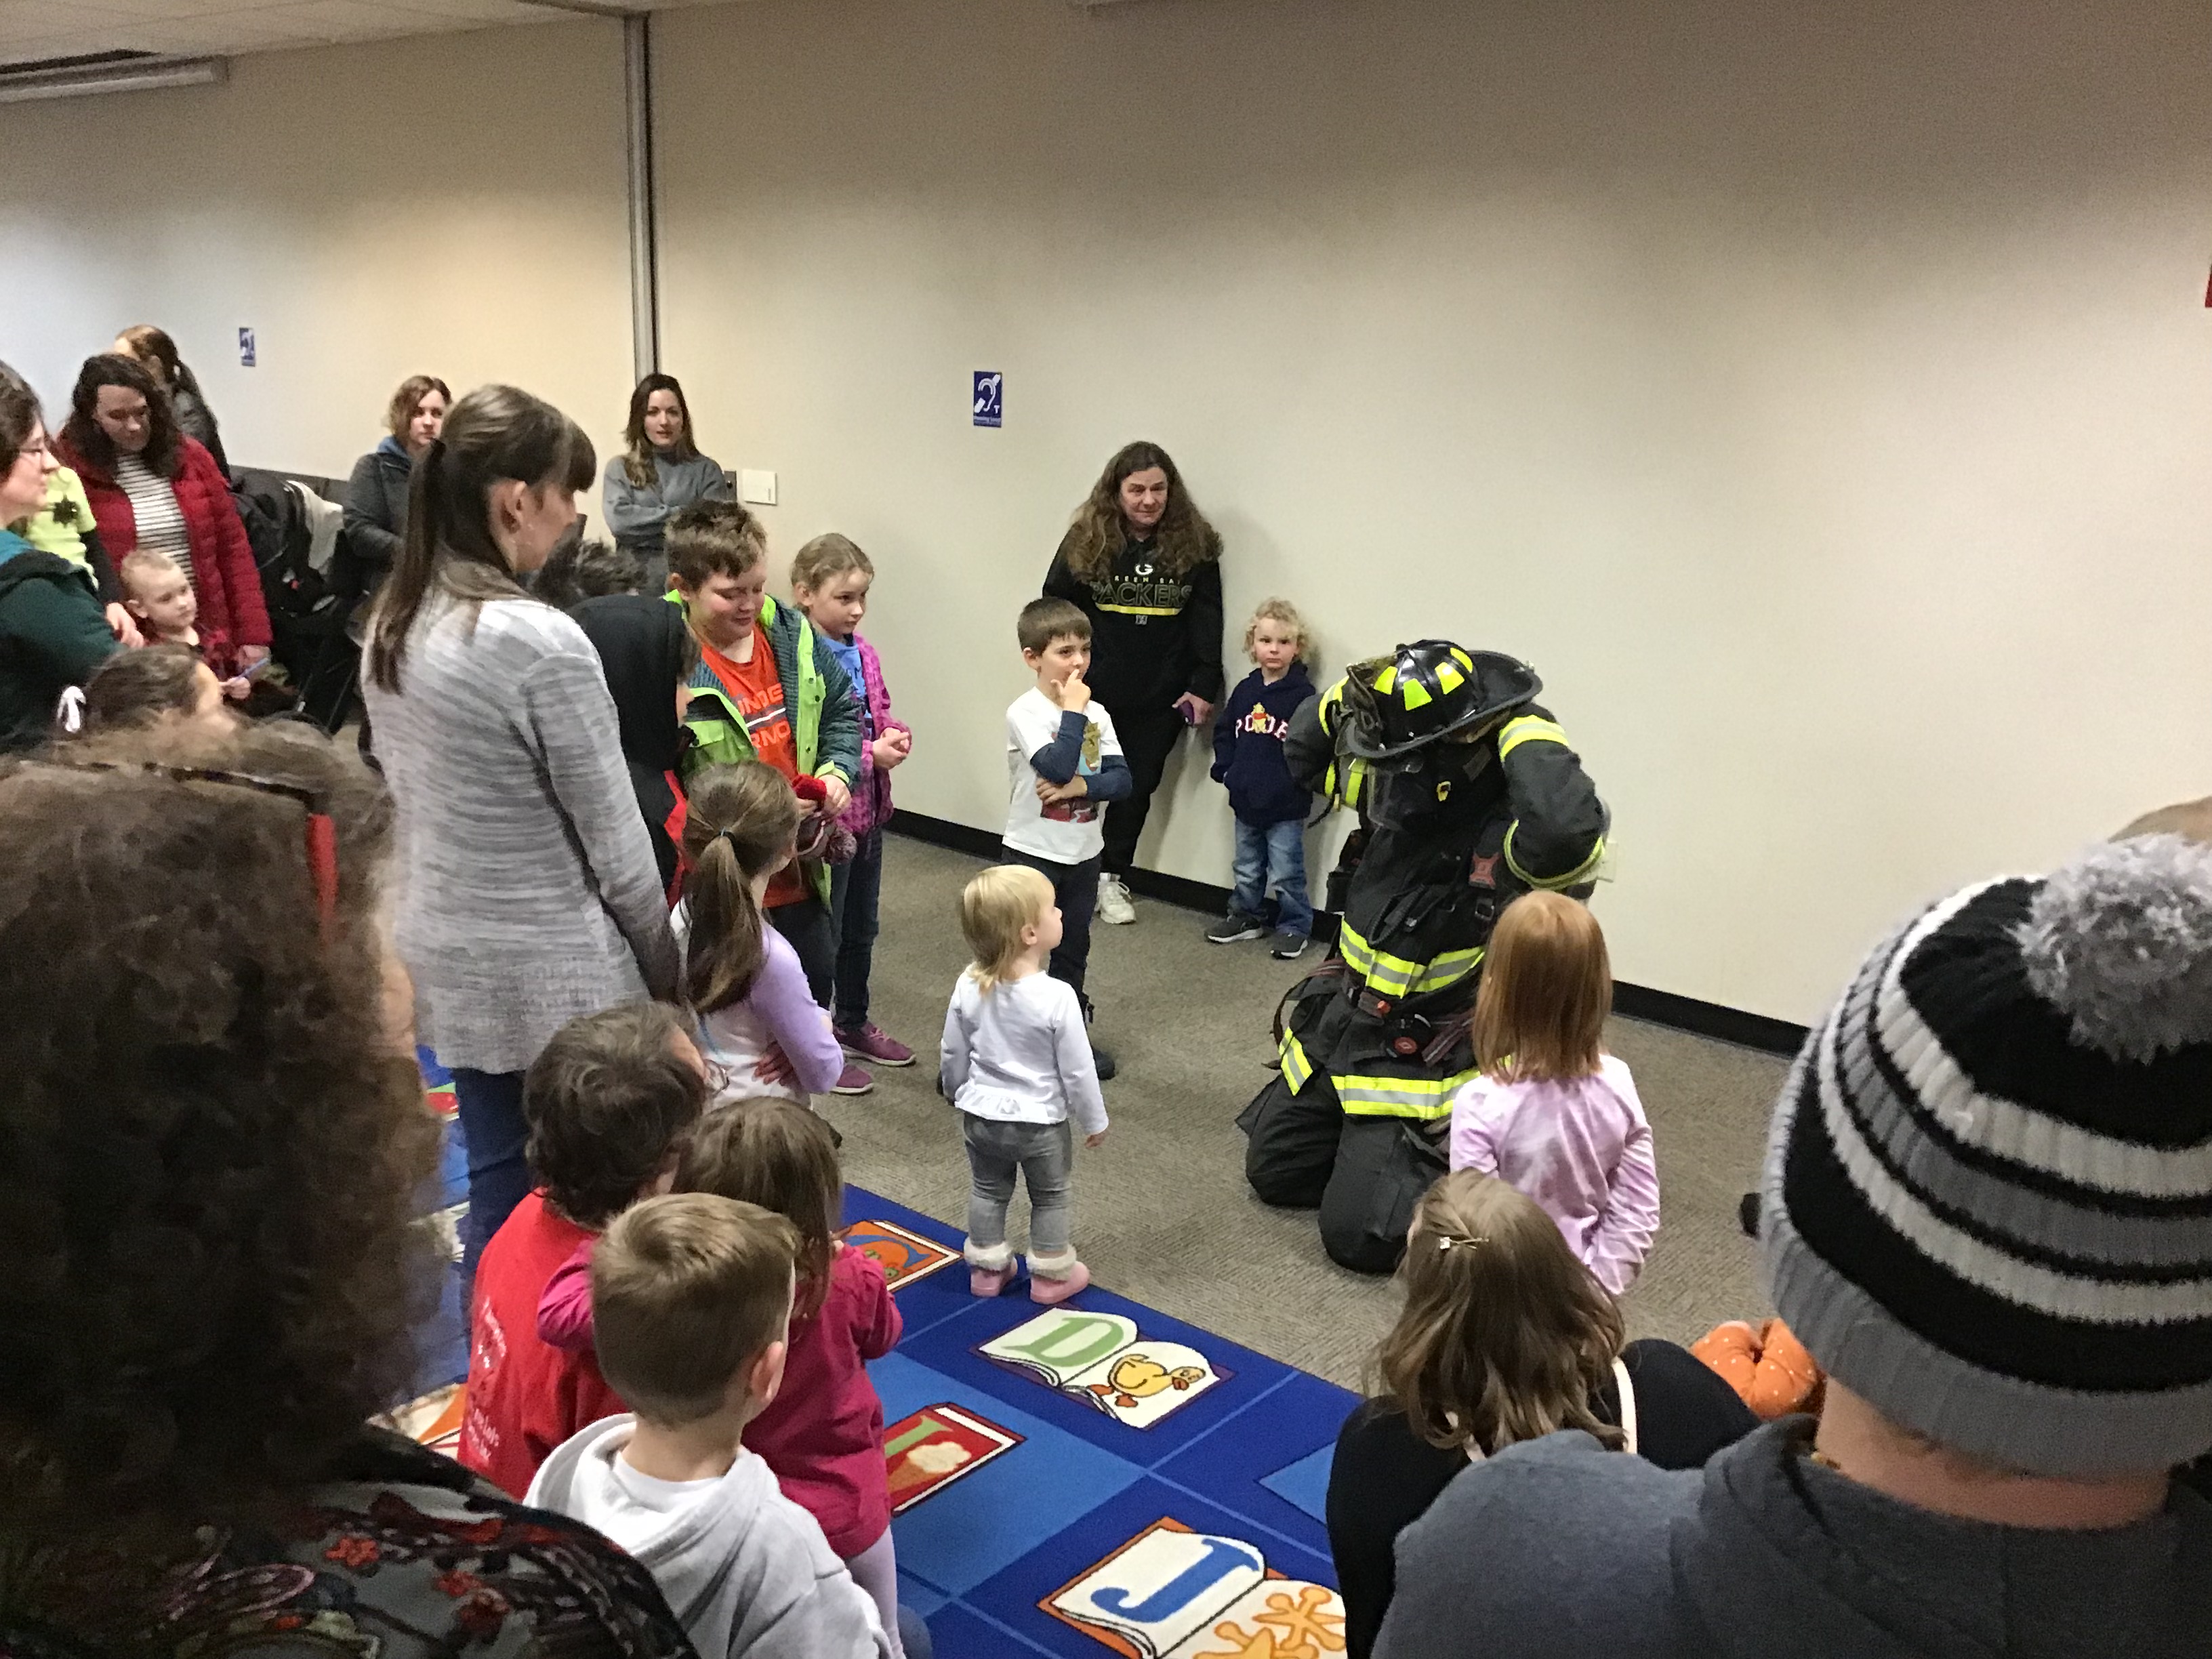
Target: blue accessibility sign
<point x="990" y="403"/>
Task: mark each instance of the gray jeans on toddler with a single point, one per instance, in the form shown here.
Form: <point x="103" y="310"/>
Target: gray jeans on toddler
<point x="1044" y="1156"/>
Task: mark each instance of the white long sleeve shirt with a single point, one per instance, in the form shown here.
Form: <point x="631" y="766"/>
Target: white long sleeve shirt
<point x="1018" y="1052"/>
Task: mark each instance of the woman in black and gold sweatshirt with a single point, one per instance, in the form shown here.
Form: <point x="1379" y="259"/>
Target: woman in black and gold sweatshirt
<point x="1141" y="561"/>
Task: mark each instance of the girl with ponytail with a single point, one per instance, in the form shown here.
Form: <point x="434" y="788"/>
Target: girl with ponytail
<point x="760" y="1027"/>
<point x="528" y="893"/>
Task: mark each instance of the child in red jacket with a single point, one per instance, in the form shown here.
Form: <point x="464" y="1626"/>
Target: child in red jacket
<point x="823" y="1435"/>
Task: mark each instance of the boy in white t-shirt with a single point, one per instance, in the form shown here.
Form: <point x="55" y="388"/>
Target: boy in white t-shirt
<point x="1063" y="763"/>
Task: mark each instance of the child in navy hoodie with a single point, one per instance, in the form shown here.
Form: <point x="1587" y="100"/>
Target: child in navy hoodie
<point x="1271" y="809"/>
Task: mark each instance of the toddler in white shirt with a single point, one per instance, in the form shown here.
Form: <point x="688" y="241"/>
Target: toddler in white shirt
<point x="1016" y="1062"/>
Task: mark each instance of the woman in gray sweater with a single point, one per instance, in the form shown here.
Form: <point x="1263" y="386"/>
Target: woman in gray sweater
<point x="527" y="893"/>
<point x="660" y="471"/>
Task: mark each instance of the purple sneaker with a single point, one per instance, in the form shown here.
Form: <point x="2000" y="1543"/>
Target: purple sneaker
<point x="852" y="1081"/>
<point x="871" y="1043"/>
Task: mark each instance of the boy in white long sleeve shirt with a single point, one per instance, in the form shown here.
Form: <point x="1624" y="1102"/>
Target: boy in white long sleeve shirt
<point x="691" y="1308"/>
<point x="1017" y="1063"/>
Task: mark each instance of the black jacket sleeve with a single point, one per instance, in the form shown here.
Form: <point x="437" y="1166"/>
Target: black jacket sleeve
<point x="1558" y="822"/>
<point x="103" y="568"/>
<point x="1311" y="744"/>
<point x="373" y="542"/>
<point x="1201" y="621"/>
<point x="1685" y="1410"/>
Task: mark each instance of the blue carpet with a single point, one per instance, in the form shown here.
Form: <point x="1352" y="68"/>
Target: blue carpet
<point x="1108" y="1479"/>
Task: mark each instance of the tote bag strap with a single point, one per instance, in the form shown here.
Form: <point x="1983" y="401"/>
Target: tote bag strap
<point x="1627" y="1404"/>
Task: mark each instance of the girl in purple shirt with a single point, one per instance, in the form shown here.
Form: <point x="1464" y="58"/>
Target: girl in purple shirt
<point x="760" y="1028"/>
<point x="1553" y="1114"/>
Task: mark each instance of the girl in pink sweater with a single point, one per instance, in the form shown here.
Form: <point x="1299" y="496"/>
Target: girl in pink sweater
<point x="1553" y="1114"/>
<point x="822" y="1434"/>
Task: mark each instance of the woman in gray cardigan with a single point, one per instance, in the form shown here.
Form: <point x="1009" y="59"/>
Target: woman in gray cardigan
<point x="659" y="470"/>
<point x="527" y="893"/>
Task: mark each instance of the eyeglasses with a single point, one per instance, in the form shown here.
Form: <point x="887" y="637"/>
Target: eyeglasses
<point x="322" y="838"/>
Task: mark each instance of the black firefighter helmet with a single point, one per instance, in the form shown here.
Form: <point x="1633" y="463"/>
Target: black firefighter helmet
<point x="1426" y="691"/>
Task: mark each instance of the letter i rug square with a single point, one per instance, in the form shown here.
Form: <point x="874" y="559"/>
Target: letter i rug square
<point x="1089" y="1478"/>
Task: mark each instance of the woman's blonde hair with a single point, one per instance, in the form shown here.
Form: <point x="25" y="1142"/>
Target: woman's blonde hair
<point x="826" y="557"/>
<point x="742" y="819"/>
<point x="995" y="908"/>
<point x="1505" y="1335"/>
<point x="1276" y="611"/>
<point x="1547" y="988"/>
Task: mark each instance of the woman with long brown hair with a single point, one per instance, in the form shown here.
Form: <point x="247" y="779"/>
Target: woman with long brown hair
<point x="1143" y="564"/>
<point x="153" y="485"/>
<point x="153" y="349"/>
<point x="1504" y="1336"/>
<point x="659" y="469"/>
<point x="530" y="895"/>
<point x="51" y="632"/>
<point x="216" y="1145"/>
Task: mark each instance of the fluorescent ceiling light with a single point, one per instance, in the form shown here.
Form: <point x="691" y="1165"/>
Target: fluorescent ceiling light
<point x="86" y="83"/>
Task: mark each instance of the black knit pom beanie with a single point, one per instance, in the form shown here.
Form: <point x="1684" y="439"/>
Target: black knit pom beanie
<point x="1988" y="1196"/>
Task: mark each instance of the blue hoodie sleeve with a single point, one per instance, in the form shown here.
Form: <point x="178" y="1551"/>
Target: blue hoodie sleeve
<point x="1060" y="759"/>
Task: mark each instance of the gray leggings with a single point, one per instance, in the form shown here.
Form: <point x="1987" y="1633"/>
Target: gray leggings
<point x="1044" y="1156"/>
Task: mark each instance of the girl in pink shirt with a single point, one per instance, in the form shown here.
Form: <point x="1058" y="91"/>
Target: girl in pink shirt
<point x="1553" y="1114"/>
<point x="822" y="1434"/>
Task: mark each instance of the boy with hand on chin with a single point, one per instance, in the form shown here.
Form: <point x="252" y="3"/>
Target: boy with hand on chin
<point x="1063" y="763"/>
<point x="691" y="1310"/>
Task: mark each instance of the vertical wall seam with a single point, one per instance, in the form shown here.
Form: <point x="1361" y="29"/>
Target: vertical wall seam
<point x="644" y="211"/>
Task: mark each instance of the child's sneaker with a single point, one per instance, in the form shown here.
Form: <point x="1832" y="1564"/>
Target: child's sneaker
<point x="1236" y="928"/>
<point x="1050" y="1291"/>
<point x="870" y="1041"/>
<point x="1290" y="944"/>
<point x="852" y="1081"/>
<point x="990" y="1281"/>
<point x="1113" y="906"/>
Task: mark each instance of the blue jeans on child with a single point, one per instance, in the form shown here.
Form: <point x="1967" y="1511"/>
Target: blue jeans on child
<point x="1277" y="851"/>
<point x="1043" y="1154"/>
<point x="856" y="891"/>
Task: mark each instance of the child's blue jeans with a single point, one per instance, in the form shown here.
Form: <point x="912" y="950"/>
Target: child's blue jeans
<point x="1274" y="852"/>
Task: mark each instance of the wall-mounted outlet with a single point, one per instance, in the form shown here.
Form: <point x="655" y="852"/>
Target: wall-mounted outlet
<point x="756" y="489"/>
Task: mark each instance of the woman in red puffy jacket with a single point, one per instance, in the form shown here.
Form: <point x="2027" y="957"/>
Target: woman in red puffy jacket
<point x="150" y="486"/>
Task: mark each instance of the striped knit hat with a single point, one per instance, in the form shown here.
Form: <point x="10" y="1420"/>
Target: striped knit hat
<point x="1987" y="1198"/>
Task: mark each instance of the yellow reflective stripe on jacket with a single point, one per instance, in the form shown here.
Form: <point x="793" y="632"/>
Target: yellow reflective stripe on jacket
<point x="1397" y="976"/>
<point x="1427" y="1098"/>
<point x="1582" y="873"/>
<point x="1529" y="729"/>
<point x="1297" y="1068"/>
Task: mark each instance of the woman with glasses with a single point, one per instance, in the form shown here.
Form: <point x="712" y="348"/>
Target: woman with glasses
<point x="530" y="894"/>
<point x="214" y="1137"/>
<point x="52" y="634"/>
<point x="151" y="486"/>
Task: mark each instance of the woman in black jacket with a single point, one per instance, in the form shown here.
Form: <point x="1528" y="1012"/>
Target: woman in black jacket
<point x="1142" y="563"/>
<point x="376" y="495"/>
<point x="1504" y="1336"/>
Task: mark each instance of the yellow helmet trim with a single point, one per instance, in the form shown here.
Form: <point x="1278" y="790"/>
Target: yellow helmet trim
<point x="1387" y="678"/>
<point x="1414" y="695"/>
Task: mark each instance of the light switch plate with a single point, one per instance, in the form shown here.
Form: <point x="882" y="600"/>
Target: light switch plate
<point x="757" y="488"/>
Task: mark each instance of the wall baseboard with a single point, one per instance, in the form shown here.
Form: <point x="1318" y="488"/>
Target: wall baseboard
<point x="1680" y="1013"/>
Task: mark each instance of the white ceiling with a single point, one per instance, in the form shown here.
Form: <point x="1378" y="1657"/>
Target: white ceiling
<point x="31" y="29"/>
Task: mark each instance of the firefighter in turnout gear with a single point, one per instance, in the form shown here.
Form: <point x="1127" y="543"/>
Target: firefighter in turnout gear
<point x="1469" y="796"/>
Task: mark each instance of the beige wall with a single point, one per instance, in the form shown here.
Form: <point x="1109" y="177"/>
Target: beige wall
<point x="452" y="204"/>
<point x="1817" y="398"/>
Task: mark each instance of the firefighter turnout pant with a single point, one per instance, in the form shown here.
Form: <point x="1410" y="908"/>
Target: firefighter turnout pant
<point x="1363" y="1173"/>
